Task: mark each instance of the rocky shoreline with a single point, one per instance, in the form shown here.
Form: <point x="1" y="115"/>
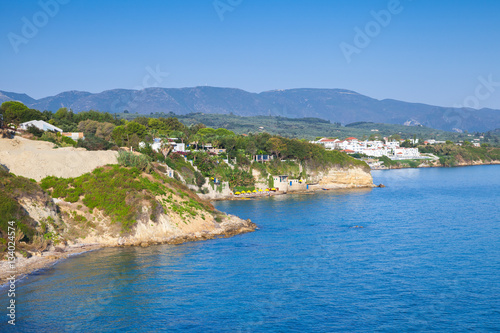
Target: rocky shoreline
<point x="232" y="226"/>
<point x="460" y="164"/>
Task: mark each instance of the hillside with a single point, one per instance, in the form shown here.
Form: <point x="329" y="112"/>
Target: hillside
<point x="336" y="105"/>
<point x="110" y="206"/>
<point x="305" y="128"/>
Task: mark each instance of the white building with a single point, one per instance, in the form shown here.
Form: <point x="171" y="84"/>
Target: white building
<point x="404" y="153"/>
<point x="157" y="144"/>
<point x="40" y="124"/>
<point x="375" y="148"/>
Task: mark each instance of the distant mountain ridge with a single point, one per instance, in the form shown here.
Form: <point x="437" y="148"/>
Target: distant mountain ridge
<point x="336" y="105"/>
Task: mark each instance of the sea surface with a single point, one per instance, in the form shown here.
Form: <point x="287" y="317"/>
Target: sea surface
<point x="421" y="255"/>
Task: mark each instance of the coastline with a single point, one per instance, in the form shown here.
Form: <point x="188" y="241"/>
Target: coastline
<point x="316" y="188"/>
<point x="473" y="163"/>
<point x="46" y="259"/>
<point x="43" y="260"/>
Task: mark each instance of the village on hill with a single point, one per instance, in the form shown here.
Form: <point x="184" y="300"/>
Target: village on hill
<point x="373" y="148"/>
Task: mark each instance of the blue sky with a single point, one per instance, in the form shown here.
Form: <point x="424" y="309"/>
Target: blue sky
<point x="434" y="52"/>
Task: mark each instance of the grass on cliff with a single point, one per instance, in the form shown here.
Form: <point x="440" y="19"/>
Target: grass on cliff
<point x="119" y="192"/>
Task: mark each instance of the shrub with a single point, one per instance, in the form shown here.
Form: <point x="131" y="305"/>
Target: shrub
<point x="129" y="159"/>
<point x="200" y="180"/>
<point x="119" y="192"/>
<point x="92" y="142"/>
<point x="35" y="131"/>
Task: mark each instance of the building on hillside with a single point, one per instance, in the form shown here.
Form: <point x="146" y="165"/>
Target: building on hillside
<point x="404" y="153"/>
<point x="40" y="124"/>
<point x="217" y="151"/>
<point x="433" y="142"/>
<point x="74" y="135"/>
<point x="178" y="147"/>
<point x="281" y="183"/>
<point x="373" y="148"/>
<point x="327" y="143"/>
<point x="263" y="158"/>
<point x="169" y="172"/>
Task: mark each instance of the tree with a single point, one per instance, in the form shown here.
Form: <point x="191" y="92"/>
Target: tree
<point x="17" y="113"/>
<point x="200" y="180"/>
<point x="224" y="132"/>
<point x="407" y="144"/>
<point x="395" y="137"/>
<point x="63" y="114"/>
<point x="251" y="148"/>
<point x="142" y="120"/>
<point x="276" y="146"/>
<point x="135" y="128"/>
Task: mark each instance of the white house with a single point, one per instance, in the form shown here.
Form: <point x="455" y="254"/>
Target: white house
<point x="327" y="143"/>
<point x="178" y="147"/>
<point x="375" y="148"/>
<point x="404" y="153"/>
<point x="40" y="124"/>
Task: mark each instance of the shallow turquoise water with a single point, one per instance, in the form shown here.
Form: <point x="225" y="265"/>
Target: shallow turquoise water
<point x="426" y="259"/>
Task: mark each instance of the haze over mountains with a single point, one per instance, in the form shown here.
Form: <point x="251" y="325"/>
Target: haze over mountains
<point x="336" y="105"/>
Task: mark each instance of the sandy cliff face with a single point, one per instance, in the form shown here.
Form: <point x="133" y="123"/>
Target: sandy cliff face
<point x="39" y="159"/>
<point x="341" y="177"/>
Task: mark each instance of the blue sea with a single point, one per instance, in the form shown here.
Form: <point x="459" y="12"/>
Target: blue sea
<point x="420" y="255"/>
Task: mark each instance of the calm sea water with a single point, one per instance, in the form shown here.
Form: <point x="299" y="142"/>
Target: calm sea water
<point x="427" y="258"/>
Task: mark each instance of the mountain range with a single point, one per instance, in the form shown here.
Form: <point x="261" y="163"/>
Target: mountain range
<point x="336" y="105"/>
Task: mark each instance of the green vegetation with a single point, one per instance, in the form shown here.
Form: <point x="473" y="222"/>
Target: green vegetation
<point x="12" y="189"/>
<point x="58" y="139"/>
<point x="388" y="163"/>
<point x="450" y="154"/>
<point x="119" y="192"/>
<point x="311" y="128"/>
<point x="139" y="161"/>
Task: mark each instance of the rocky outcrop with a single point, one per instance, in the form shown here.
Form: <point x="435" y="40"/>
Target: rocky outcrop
<point x="168" y="230"/>
<point x="169" y="224"/>
<point x="340" y="177"/>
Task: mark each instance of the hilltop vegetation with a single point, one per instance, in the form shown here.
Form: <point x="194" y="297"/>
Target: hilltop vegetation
<point x="450" y="154"/>
<point x="313" y="128"/>
<point x="103" y="131"/>
<point x="123" y="193"/>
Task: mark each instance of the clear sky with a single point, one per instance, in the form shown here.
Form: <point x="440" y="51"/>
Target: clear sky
<point x="434" y="52"/>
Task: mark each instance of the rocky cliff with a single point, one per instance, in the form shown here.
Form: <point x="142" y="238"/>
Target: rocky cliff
<point x="340" y="177"/>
